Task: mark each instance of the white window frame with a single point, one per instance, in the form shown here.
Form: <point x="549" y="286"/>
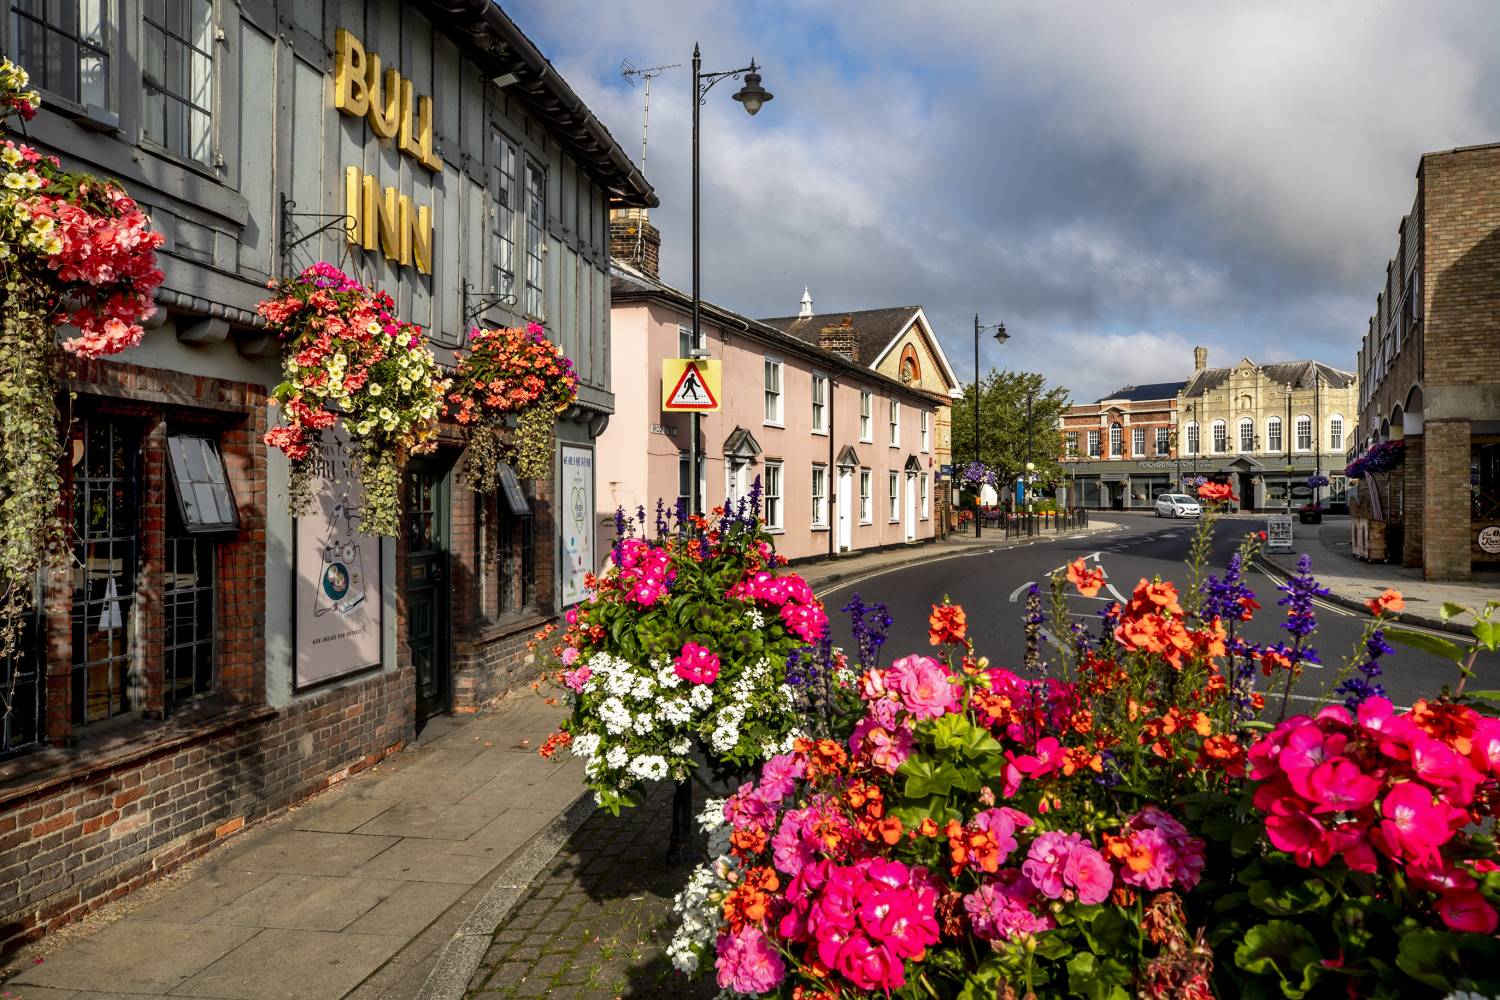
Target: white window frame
<point x="819" y="405"/>
<point x="893" y="419"/>
<point x="866" y="496"/>
<point x="774" y="397"/>
<point x="819" y="499"/>
<point x="682" y="460"/>
<point x="1096" y="437"/>
<point x="1336" y="433"/>
<point x="772" y="499"/>
<point x="926" y="431"/>
<point x="866" y="416"/>
<point x="1275" y="443"/>
<point x="924" y="498"/>
<point x="1138" y="441"/>
<point x="1194" y="438"/>
<point x="1116" y="440"/>
<point x="1303" y="420"/>
<point x="1163" y="440"/>
<point x="893" y="493"/>
<point x="1219" y="437"/>
<point x="1245" y="424"/>
<point x="685" y="343"/>
<point x="1070" y="444"/>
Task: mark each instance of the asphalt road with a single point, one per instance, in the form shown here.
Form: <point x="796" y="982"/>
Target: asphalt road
<point x="991" y="585"/>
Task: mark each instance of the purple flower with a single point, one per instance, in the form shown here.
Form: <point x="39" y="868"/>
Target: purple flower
<point x="1364" y="684"/>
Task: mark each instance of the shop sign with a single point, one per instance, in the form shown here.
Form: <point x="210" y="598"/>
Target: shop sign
<point x="577" y="495"/>
<point x="376" y="216"/>
<point x="1489" y="538"/>
<point x="1279" y="533"/>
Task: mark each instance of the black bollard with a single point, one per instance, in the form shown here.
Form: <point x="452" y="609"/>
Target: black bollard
<point x="679" y="847"/>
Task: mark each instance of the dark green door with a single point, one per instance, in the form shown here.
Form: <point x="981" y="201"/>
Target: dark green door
<point x="427" y="585"/>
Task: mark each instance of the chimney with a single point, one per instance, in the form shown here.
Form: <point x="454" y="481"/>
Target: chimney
<point x="806" y="304"/>
<point x="1200" y="358"/>
<point x="839" y="338"/>
<point x="635" y="241"/>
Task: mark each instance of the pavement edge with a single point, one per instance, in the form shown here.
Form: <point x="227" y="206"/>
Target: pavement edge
<point x="460" y="957"/>
<point x="1274" y="569"/>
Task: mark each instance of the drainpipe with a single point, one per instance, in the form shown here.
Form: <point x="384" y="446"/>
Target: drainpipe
<point x="833" y="493"/>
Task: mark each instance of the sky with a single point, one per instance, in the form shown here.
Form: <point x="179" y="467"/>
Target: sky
<point x="1115" y="181"/>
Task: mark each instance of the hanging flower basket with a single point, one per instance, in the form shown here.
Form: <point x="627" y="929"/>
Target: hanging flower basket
<point x="74" y="250"/>
<point x="1382" y="457"/>
<point x="510" y="372"/>
<point x="346" y="358"/>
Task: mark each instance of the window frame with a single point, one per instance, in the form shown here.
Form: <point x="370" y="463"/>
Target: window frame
<point x="1303" y="420"/>
<point x="215" y="161"/>
<point x="819" y="500"/>
<point x="1070" y="444"/>
<point x="924" y="497"/>
<point x="925" y="419"/>
<point x="176" y="482"/>
<point x="1336" y="433"/>
<point x="776" y="395"/>
<point x="866" y="416"/>
<point x="1275" y="442"/>
<point x="866" y="496"/>
<point x="506" y="193"/>
<point x="1194" y="435"/>
<point x="893" y="493"/>
<point x="1163" y="441"/>
<point x="819" y="384"/>
<point x="893" y="421"/>
<point x="534" y="226"/>
<point x="685" y="344"/>
<point x="1096" y="442"/>
<point x="105" y="48"/>
<point x="1116" y="440"/>
<point x="1245" y="424"/>
<point x="685" y="498"/>
<point x="1138" y="441"/>
<point x="773" y="495"/>
<point x="1218" y="430"/>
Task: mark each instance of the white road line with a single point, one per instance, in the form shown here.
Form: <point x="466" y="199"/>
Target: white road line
<point x="1015" y="594"/>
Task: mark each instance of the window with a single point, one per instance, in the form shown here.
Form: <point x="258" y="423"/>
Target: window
<point x="820" y="496"/>
<point x="1273" y="435"/>
<point x="773" y="391"/>
<point x="1116" y="441"/>
<point x="536" y="208"/>
<point x="21" y="678"/>
<point x="188" y="598"/>
<point x="515" y="536"/>
<point x="1247" y="435"/>
<point x="685" y="342"/>
<point x="1070" y="444"/>
<point x="1304" y="433"/>
<point x="106" y="556"/>
<point x="866" y="419"/>
<point x="1138" y="440"/>
<point x="1192" y="439"/>
<point x="204" y="501"/>
<point x="64" y="46"/>
<point x="819" y="404"/>
<point x="894" y="488"/>
<point x="1094" y="443"/>
<point x="866" y="505"/>
<point x="507" y="197"/>
<point x="895" y="422"/>
<point x="771" y="496"/>
<point x="1163" y="440"/>
<point x="1220" y="437"/>
<point x="1336" y="434"/>
<point x="177" y="68"/>
<point x="923" y="498"/>
<point x="926" y="431"/>
<point x="685" y="484"/>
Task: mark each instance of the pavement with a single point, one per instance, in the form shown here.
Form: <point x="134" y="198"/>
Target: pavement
<point x="464" y="865"/>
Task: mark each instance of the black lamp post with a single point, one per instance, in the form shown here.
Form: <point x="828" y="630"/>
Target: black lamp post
<point x="753" y="97"/>
<point x="1290" y="432"/>
<point x="1000" y="337"/>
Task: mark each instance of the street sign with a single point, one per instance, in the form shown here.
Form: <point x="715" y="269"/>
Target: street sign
<point x="689" y="385"/>
<point x="1279" y="533"/>
<point x="946" y="470"/>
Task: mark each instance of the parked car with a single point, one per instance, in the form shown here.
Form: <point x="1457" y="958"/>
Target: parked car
<point x="1177" y="505"/>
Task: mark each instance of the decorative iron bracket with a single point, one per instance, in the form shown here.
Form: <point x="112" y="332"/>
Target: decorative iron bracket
<point x="476" y="303"/>
<point x="287" y="243"/>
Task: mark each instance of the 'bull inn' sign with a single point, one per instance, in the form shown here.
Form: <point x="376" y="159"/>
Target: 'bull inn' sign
<point x="387" y="217"/>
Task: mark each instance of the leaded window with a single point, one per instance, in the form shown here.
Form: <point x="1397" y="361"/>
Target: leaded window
<point x="536" y="208"/>
<point x="64" y="46"/>
<point x="177" y="68"/>
<point x="507" y="195"/>
<point x="191" y="629"/>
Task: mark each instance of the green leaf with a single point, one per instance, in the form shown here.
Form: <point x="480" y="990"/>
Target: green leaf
<point x="1487" y="634"/>
<point x="924" y="778"/>
<point x="1451" y="609"/>
<point x="1424" y="643"/>
<point x="1097" y="978"/>
<point x="1425" y="954"/>
<point x="1245" y="839"/>
<point x="1283" y="949"/>
<point x="1285" y="900"/>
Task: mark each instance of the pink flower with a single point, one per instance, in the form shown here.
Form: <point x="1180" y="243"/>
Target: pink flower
<point x="1467" y="911"/>
<point x="1045" y="861"/>
<point x="778" y="776"/>
<point x="571" y="617"/>
<point x="1413" y="826"/>
<point x="923" y="686"/>
<point x="696" y="664"/>
<point x="1000" y="909"/>
<point x="576" y="679"/>
<point x="748" y="963"/>
<point x="1089" y="874"/>
<point x="885" y="748"/>
<point x="1339" y="785"/>
<point x="1301" y="836"/>
<point x="868" y="966"/>
<point x="569" y="654"/>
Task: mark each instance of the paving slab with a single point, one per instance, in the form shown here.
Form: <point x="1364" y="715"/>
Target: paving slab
<point x="43" y="993"/>
<point x="279" y="964"/>
<point x="343" y="816"/>
<point x="409" y="909"/>
<point x="430" y="821"/>
<point x="308" y="902"/>
<point x="214" y="888"/>
<point x="416" y="860"/>
<point x="307" y="852"/>
<point x="138" y="956"/>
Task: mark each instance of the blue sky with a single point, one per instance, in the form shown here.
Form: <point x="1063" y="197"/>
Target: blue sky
<point x="1116" y="181"/>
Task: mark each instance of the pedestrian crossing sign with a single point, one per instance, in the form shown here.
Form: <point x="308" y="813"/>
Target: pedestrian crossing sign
<point x="689" y="385"/>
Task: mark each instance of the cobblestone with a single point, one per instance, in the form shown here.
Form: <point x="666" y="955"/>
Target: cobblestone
<point x="597" y="922"/>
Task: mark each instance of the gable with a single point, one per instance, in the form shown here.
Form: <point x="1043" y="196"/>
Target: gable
<point x="917" y="345"/>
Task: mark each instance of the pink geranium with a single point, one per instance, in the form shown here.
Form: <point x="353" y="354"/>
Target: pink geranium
<point x="923" y="686"/>
<point x="1064" y="864"/>
<point x="1467" y="911"/>
<point x="747" y="962"/>
<point x="696" y="664"/>
<point x="576" y="679"/>
<point x="779" y="775"/>
<point x="1413" y="826"/>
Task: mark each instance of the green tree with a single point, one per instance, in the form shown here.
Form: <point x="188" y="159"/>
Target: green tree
<point x="1007" y="438"/>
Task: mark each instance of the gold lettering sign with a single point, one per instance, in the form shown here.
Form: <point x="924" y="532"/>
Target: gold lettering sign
<point x="386" y="100"/>
<point x="387" y="218"/>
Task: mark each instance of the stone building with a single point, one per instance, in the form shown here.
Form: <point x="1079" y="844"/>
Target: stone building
<point x="180" y="684"/>
<point x="1429" y="369"/>
<point x="1120" y="452"/>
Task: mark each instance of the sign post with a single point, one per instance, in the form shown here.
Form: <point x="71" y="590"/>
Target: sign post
<point x="1279" y="533"/>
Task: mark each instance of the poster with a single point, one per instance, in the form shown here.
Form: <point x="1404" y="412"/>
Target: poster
<point x="576" y="506"/>
<point x="1279" y="533"/>
<point x="338" y="605"/>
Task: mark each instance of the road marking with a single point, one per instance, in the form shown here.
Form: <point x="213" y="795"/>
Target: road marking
<point x="1014" y="594"/>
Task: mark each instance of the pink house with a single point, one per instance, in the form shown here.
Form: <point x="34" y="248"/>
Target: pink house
<point x="845" y="455"/>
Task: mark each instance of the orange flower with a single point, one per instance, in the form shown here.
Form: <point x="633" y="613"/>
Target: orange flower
<point x="1151" y="597"/>
<point x="1271" y="661"/>
<point x="1087" y="579"/>
<point x="1082" y="759"/>
<point x="927" y="827"/>
<point x="1388" y="602"/>
<point x="750" y="901"/>
<point x="947" y="624"/>
<point x="748" y="841"/>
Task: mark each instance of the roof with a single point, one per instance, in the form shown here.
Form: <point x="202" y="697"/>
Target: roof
<point x="875" y="328"/>
<point x="1141" y="393"/>
<point x="627" y="284"/>
<point x="488" y="36"/>
<point x="1297" y="374"/>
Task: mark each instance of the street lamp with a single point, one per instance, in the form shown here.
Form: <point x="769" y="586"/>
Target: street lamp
<point x="1030" y="468"/>
<point x="1000" y="337"/>
<point x="1290" y="430"/>
<point x="752" y="96"/>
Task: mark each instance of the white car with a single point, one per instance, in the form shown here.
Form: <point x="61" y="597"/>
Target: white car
<point x="1177" y="505"/>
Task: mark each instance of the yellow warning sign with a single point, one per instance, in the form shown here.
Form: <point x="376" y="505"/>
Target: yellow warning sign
<point x="689" y="385"/>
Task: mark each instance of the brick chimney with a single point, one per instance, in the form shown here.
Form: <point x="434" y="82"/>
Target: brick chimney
<point x="840" y="338"/>
<point x="1200" y="359"/>
<point x="635" y="241"/>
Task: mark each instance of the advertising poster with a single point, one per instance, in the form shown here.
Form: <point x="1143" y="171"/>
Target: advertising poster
<point x="1279" y="533"/>
<point x="576" y="509"/>
<point x="338" y="606"/>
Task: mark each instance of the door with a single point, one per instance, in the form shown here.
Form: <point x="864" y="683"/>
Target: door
<point x="427" y="586"/>
<point x="845" y="509"/>
<point x="911" y="507"/>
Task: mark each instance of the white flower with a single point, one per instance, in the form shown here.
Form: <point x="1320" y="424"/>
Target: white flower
<point x="701" y="697"/>
<point x="756" y="619"/>
<point x="616" y="757"/>
<point x="615" y="716"/>
<point x="680" y="746"/>
<point x="586" y="746"/>
<point x="651" y="767"/>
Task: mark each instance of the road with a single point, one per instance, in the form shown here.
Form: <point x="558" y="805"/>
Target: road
<point x="991" y="585"/>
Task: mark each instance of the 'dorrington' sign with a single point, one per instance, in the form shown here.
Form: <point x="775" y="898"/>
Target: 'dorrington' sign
<point x="384" y="217"/>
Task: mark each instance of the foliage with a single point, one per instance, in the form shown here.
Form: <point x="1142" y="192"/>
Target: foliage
<point x="74" y="249"/>
<point x="1003" y="425"/>
<point x="510" y="372"/>
<point x="1382" y="457"/>
<point x="694" y="641"/>
<point x="346" y="357"/>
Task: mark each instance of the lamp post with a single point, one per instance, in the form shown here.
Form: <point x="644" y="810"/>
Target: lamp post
<point x="753" y="97"/>
<point x="1290" y="432"/>
<point x="1194" y="447"/>
<point x="1000" y="337"/>
<point x="1030" y="394"/>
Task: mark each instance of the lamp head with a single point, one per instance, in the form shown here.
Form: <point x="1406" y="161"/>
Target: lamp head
<point x="1000" y="335"/>
<point x="752" y="95"/>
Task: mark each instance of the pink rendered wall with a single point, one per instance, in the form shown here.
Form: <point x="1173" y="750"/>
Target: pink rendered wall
<point x="638" y="465"/>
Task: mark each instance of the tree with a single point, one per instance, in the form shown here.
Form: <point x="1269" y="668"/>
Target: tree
<point x="1007" y="441"/>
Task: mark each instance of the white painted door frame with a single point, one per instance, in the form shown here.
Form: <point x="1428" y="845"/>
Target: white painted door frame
<point x="845" y="509"/>
<point x="911" y="506"/>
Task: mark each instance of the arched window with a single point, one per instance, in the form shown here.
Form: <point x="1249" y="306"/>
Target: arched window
<point x="1192" y="439"/>
<point x="1273" y="435"/>
<point x="1304" y="433"/>
<point x="1116" y="444"/>
<point x="1247" y="435"/>
<point x="1336" y="434"/>
<point x="1220" y="434"/>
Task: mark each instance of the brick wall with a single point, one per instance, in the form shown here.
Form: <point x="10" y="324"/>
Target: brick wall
<point x="1445" y="508"/>
<point x="635" y="241"/>
<point x="1414" y="498"/>
<point x="1461" y="256"/>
